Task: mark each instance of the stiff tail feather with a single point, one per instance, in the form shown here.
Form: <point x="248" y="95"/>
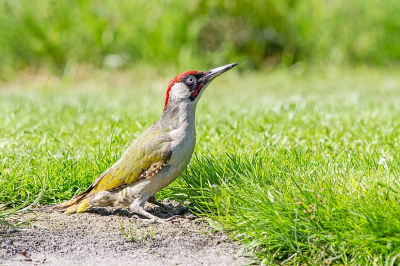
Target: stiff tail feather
<point x="79" y="203"/>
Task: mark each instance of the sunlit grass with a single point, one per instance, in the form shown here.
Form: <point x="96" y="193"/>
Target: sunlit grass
<point x="302" y="168"/>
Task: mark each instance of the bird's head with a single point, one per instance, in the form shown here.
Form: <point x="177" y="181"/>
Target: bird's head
<point x="188" y="86"/>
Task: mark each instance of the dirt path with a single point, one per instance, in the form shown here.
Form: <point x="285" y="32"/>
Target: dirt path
<point x="95" y="238"/>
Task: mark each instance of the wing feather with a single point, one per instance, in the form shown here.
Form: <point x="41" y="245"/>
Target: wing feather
<point x="146" y="156"/>
<point x="149" y="150"/>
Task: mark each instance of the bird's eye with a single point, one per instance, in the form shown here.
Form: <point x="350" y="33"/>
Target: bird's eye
<point x="190" y="80"/>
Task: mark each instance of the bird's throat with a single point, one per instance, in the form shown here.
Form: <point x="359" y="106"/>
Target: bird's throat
<point x="196" y="92"/>
<point x="177" y="114"/>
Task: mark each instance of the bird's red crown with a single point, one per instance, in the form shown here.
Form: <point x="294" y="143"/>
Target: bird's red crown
<point x="175" y="80"/>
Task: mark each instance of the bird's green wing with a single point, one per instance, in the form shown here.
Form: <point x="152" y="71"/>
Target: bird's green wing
<point x="147" y="155"/>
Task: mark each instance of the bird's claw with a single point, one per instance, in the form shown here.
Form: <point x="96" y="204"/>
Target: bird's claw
<point x="172" y="219"/>
<point x="154" y="220"/>
<point x="136" y="217"/>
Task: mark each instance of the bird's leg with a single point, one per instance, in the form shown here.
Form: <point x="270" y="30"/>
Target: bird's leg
<point x="153" y="200"/>
<point x="138" y="207"/>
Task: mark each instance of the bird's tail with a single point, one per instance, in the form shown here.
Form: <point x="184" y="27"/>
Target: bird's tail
<point x="78" y="204"/>
<point x="81" y="202"/>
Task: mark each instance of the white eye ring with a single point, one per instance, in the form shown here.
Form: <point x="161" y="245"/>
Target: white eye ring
<point x="190" y="80"/>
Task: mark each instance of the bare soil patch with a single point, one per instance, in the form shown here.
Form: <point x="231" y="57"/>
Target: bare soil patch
<point x="95" y="238"/>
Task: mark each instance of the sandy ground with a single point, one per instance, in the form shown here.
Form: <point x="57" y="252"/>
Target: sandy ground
<point x="95" y="238"/>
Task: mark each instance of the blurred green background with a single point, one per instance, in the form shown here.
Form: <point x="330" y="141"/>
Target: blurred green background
<point x="58" y="35"/>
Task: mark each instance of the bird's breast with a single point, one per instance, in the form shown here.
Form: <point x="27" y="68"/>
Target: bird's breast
<point x="182" y="149"/>
<point x="182" y="145"/>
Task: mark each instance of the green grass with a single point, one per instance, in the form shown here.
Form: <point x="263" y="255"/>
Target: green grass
<point x="303" y="168"/>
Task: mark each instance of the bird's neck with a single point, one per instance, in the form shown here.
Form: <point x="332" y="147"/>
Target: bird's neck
<point x="179" y="114"/>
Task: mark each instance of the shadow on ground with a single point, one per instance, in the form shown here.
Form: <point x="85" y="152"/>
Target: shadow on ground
<point x="96" y="238"/>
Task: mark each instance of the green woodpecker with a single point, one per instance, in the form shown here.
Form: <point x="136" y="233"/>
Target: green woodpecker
<point x="156" y="158"/>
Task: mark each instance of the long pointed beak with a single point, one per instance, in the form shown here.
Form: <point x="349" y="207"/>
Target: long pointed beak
<point x="213" y="73"/>
<point x="208" y="76"/>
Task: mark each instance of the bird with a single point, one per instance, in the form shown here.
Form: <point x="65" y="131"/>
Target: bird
<point x="156" y="158"/>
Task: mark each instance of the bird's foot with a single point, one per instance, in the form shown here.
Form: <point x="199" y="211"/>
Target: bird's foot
<point x="156" y="202"/>
<point x="161" y="221"/>
<point x="173" y="218"/>
<point x="151" y="218"/>
<point x="154" y="220"/>
<point x="136" y="217"/>
<point x="138" y="208"/>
